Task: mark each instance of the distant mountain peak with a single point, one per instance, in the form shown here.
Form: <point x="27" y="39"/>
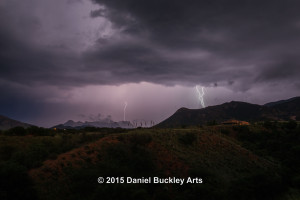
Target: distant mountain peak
<point x="105" y="123"/>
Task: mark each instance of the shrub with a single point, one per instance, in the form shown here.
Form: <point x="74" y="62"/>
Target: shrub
<point x="225" y="131"/>
<point x="242" y="129"/>
<point x="268" y="124"/>
<point x="187" y="138"/>
<point x="16" y="131"/>
<point x="14" y="182"/>
<point x="39" y="131"/>
<point x="291" y="125"/>
<point x="140" y="139"/>
<point x="6" y="151"/>
<point x="258" y="185"/>
<point x="212" y="123"/>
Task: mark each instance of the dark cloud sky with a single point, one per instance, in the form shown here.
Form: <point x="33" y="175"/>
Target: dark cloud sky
<point x="64" y="58"/>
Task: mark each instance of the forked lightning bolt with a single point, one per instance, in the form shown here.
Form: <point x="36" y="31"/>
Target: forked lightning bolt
<point x="125" y="105"/>
<point x="201" y="95"/>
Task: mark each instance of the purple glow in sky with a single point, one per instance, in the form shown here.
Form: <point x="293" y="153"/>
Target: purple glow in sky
<point x="73" y="59"/>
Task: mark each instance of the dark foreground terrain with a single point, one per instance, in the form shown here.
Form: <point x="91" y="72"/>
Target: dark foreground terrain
<point x="260" y="161"/>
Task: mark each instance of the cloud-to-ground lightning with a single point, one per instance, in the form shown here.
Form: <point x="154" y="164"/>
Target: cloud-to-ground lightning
<point x="125" y="105"/>
<point x="201" y="95"/>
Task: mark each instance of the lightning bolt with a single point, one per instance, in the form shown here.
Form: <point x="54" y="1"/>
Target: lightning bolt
<point x="125" y="105"/>
<point x="201" y="95"/>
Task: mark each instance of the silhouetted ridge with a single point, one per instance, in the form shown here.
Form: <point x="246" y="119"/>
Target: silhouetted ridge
<point x="275" y="103"/>
<point x="243" y="111"/>
<point x="7" y="123"/>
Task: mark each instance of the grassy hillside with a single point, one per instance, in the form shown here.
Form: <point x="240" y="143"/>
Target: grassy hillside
<point x="234" y="162"/>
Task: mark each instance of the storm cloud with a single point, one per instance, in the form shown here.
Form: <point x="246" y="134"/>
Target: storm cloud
<point x="201" y="41"/>
<point x="165" y="42"/>
<point x="233" y="44"/>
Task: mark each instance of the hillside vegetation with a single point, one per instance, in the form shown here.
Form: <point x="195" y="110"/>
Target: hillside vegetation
<point x="235" y="162"/>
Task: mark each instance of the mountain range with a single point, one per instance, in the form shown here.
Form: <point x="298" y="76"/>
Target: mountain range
<point x="280" y="110"/>
<point x="105" y="123"/>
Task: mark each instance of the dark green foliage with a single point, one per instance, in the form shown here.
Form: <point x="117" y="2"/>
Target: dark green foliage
<point x="259" y="185"/>
<point x="291" y="125"/>
<point x="37" y="149"/>
<point x="268" y="124"/>
<point x="279" y="142"/>
<point x="132" y="155"/>
<point x="122" y="191"/>
<point x="225" y="131"/>
<point x="241" y="129"/>
<point x="119" y="160"/>
<point x="140" y="139"/>
<point x="211" y="188"/>
<point x="105" y="130"/>
<point x="127" y="159"/>
<point x="39" y="131"/>
<point x="6" y="151"/>
<point x="18" y="154"/>
<point x="187" y="138"/>
<point x="212" y="123"/>
<point x="14" y="182"/>
<point x="20" y="131"/>
<point x="183" y="126"/>
<point x="32" y="130"/>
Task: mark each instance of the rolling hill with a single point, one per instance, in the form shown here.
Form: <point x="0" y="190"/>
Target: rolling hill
<point x="289" y="108"/>
<point x="276" y="103"/>
<point x="217" y="159"/>
<point x="7" y="123"/>
<point x="259" y="161"/>
<point x="282" y="110"/>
